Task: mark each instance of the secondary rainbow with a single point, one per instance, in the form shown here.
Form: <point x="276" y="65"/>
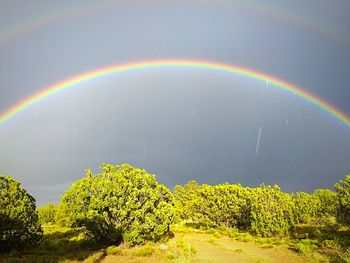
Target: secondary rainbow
<point x="86" y="7"/>
<point x="192" y="64"/>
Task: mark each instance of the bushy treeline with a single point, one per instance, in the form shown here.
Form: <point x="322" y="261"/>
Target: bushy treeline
<point x="122" y="203"/>
<point x="264" y="210"/>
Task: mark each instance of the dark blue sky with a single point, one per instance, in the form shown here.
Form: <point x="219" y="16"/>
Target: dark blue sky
<point x="180" y="124"/>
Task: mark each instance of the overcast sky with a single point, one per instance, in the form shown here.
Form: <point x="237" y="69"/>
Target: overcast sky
<point x="177" y="123"/>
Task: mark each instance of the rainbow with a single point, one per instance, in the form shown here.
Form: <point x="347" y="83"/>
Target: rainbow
<point x="192" y="64"/>
<point x="23" y="27"/>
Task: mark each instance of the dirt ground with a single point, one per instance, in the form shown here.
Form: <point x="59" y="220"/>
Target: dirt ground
<point x="222" y="249"/>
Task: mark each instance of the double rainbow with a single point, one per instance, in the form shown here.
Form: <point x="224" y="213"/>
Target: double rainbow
<point x="56" y="15"/>
<point x="192" y="64"/>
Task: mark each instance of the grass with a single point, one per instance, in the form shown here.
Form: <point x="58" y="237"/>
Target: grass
<point x="113" y="250"/>
<point x="238" y="250"/>
<point x="212" y="241"/>
<point x="60" y="244"/>
<point x="95" y="257"/>
<point x="305" y="246"/>
<point x="267" y="246"/>
<point x="344" y="256"/>
<point x="317" y="243"/>
<point x="143" y="251"/>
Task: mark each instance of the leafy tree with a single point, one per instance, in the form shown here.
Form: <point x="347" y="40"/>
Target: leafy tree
<point x="328" y="205"/>
<point x="211" y="206"/>
<point x="271" y="211"/>
<point x="61" y="215"/>
<point x="265" y="210"/>
<point x="121" y="203"/>
<point x="19" y="226"/>
<point x="307" y="207"/>
<point x="343" y="193"/>
<point x="224" y="204"/>
<point x="188" y="202"/>
<point x="47" y="214"/>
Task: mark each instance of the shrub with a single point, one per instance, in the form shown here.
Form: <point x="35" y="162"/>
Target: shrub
<point x="212" y="206"/>
<point x="271" y="211"/>
<point x="305" y="246"/>
<point x="19" y="225"/>
<point x="246" y="237"/>
<point x="265" y="210"/>
<point x="47" y="214"/>
<point x="343" y="194"/>
<point x="61" y="215"/>
<point x="328" y="203"/>
<point x="267" y="246"/>
<point x="113" y="250"/>
<point x="121" y="203"/>
<point x="344" y="255"/>
<point x="307" y="206"/>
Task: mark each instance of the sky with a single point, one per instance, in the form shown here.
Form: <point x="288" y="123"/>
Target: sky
<point x="178" y="123"/>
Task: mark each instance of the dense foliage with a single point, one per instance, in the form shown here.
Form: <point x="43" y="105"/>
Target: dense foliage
<point x="307" y="206"/>
<point x="211" y="206"/>
<point x="61" y="215"/>
<point x="328" y="208"/>
<point x="47" y="214"/>
<point x="121" y="203"/>
<point x="343" y="193"/>
<point x="271" y="211"/>
<point x="264" y="210"/>
<point x="19" y="226"/>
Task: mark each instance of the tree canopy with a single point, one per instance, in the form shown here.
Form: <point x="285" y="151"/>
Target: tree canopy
<point x="19" y="225"/>
<point x="47" y="214"/>
<point x="343" y="193"/>
<point x="121" y="203"/>
<point x="264" y="210"/>
<point x="124" y="203"/>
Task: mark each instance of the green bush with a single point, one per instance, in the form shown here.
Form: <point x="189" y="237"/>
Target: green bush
<point x="344" y="255"/>
<point x="307" y="207"/>
<point x="47" y="214"/>
<point x="113" y="250"/>
<point x="61" y="215"/>
<point x="265" y="210"/>
<point x="121" y="203"/>
<point x="267" y="246"/>
<point x="19" y="226"/>
<point x="343" y="194"/>
<point x="305" y="246"/>
<point x="245" y="237"/>
<point x="328" y="203"/>
<point x="271" y="211"/>
<point x="212" y="206"/>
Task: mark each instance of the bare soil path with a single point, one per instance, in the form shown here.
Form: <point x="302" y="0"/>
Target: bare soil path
<point x="211" y="249"/>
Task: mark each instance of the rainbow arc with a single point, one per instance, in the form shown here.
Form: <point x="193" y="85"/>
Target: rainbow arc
<point x="191" y="64"/>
